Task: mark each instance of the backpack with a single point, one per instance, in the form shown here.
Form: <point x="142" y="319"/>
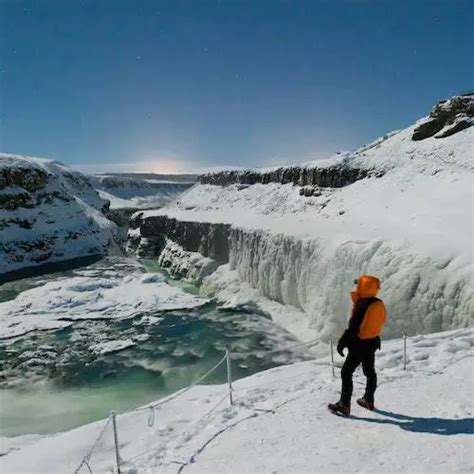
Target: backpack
<point x="374" y="320"/>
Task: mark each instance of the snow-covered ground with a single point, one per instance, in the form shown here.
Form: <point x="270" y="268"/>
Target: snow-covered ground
<point x="409" y="223"/>
<point x="48" y="213"/>
<point x="59" y="303"/>
<point x="279" y="423"/>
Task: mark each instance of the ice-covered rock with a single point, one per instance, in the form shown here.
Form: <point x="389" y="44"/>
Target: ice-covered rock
<point x="191" y="265"/>
<point x="48" y="213"/>
<point x="108" y="347"/>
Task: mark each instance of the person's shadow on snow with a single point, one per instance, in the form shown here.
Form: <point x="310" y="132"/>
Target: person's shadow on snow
<point x="441" y="426"/>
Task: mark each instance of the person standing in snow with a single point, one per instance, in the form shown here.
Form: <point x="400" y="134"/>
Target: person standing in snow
<point x="362" y="339"/>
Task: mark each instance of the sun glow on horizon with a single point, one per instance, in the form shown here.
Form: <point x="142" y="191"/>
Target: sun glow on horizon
<point x="160" y="166"/>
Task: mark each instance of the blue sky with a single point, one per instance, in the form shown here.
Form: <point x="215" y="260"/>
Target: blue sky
<point x="186" y="85"/>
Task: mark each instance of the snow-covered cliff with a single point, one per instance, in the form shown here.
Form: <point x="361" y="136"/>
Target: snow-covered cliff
<point x="134" y="192"/>
<point x="406" y="218"/>
<point x="48" y="213"/>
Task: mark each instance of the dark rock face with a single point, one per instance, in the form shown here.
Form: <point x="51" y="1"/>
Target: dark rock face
<point x="459" y="125"/>
<point x="330" y="177"/>
<point x="124" y="177"/>
<point x="308" y="191"/>
<point x="30" y="200"/>
<point x="12" y="201"/>
<point x="111" y="183"/>
<point x="29" y="179"/>
<point x="121" y="216"/>
<point x="456" y="114"/>
<point x="209" y="239"/>
<point x="427" y="129"/>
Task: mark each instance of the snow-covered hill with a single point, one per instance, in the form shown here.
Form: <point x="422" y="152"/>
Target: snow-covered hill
<point x="48" y="213"/>
<point x="424" y="423"/>
<point x="400" y="208"/>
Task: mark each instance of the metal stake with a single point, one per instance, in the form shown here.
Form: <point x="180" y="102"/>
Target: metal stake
<point x="404" y="350"/>
<point x="332" y="357"/>
<point x="116" y="441"/>
<point x="229" y="375"/>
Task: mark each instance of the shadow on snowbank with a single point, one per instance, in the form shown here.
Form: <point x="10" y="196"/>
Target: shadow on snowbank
<point x="440" y="426"/>
<point x="49" y="267"/>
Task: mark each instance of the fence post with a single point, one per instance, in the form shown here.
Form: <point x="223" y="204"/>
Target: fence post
<point x="332" y="357"/>
<point x="116" y="441"/>
<point x="229" y="374"/>
<point x="404" y="350"/>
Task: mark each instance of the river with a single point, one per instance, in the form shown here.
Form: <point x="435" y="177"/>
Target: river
<point x="55" y="380"/>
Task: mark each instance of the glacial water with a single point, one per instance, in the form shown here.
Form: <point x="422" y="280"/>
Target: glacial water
<point x="52" y="381"/>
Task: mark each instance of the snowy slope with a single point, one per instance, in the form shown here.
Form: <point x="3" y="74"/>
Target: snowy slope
<point x="48" y="213"/>
<point x="409" y="222"/>
<point x="279" y="423"/>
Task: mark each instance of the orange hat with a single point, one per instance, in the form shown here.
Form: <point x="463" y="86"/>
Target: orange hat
<point x="367" y="286"/>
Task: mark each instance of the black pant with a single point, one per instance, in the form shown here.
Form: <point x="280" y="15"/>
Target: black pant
<point x="356" y="357"/>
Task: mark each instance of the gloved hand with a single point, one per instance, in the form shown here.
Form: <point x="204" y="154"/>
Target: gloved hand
<point x="340" y="350"/>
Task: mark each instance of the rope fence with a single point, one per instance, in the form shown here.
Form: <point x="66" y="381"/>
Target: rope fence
<point x="86" y="459"/>
<point x="227" y="358"/>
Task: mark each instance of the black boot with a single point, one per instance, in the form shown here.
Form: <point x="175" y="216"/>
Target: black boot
<point x="340" y="408"/>
<point x="365" y="402"/>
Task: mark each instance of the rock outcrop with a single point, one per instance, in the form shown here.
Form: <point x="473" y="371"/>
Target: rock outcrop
<point x="336" y="176"/>
<point x="148" y="236"/>
<point x="447" y="118"/>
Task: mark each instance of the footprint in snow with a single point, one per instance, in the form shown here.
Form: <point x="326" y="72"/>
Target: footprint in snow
<point x="421" y="356"/>
<point x="391" y="362"/>
<point x="467" y="340"/>
<point x="426" y="343"/>
<point x="457" y="346"/>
